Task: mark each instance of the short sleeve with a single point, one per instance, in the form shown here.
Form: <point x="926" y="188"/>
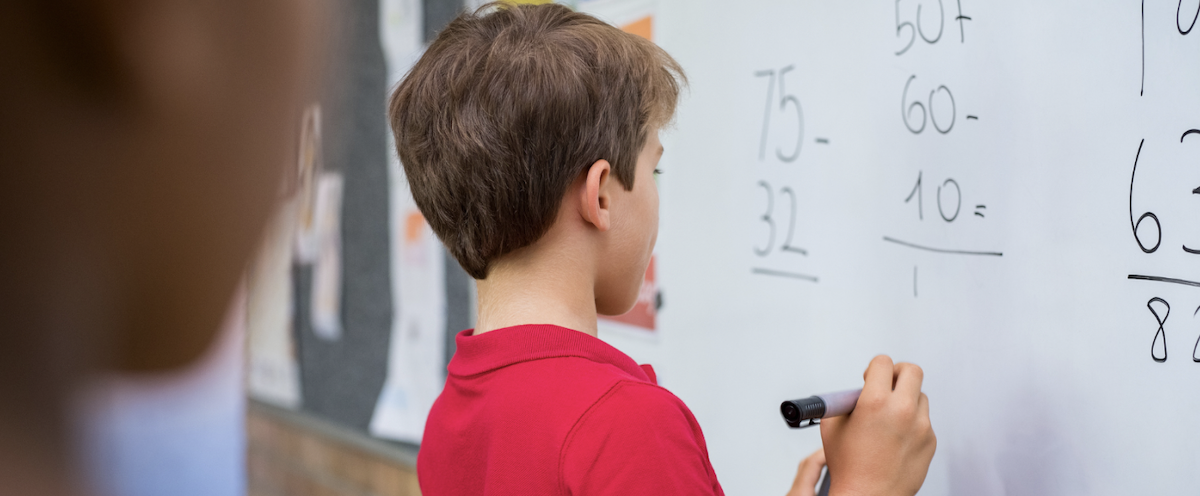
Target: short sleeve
<point x="638" y="439"/>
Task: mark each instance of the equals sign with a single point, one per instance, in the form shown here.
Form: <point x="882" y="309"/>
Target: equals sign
<point x="978" y="208"/>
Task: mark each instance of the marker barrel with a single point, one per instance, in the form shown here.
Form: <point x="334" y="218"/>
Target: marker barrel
<point x="839" y="403"/>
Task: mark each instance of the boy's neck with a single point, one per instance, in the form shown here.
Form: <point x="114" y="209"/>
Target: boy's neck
<point x="549" y="282"/>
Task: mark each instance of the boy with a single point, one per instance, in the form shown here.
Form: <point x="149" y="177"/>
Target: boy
<point x="529" y="135"/>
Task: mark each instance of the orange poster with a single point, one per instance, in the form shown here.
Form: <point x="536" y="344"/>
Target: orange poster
<point x="643" y="27"/>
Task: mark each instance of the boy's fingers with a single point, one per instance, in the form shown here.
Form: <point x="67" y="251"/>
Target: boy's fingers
<point x="908" y="380"/>
<point x="808" y="475"/>
<point x="878" y="377"/>
<point x="926" y="424"/>
<point x="815" y="462"/>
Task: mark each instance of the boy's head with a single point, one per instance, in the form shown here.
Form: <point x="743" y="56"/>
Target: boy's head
<point x="511" y="106"/>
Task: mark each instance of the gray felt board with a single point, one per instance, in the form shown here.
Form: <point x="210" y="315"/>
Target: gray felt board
<point x="341" y="379"/>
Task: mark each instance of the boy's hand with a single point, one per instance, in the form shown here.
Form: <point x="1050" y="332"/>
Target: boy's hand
<point x="808" y="474"/>
<point x="884" y="446"/>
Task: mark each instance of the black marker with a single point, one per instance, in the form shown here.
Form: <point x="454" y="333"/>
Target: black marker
<point x="814" y="408"/>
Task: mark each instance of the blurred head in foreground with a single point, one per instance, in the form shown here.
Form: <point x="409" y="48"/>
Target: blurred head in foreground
<point x="142" y="144"/>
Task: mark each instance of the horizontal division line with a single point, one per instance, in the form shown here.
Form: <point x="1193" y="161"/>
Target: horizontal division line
<point x="943" y="250"/>
<point x="780" y="273"/>
<point x="1164" y="279"/>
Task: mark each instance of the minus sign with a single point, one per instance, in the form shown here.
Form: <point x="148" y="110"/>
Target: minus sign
<point x="823" y="141"/>
<point x="972" y="117"/>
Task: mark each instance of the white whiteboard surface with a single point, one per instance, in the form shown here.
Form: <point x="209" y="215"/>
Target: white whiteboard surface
<point x="1038" y="362"/>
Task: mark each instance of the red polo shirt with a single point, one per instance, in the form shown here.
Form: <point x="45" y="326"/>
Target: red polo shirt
<point x="540" y="409"/>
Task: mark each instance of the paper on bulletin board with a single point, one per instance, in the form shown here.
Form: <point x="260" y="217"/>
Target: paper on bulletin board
<point x="273" y="374"/>
<point x="326" y="302"/>
<point x="416" y="370"/>
<point x="298" y="233"/>
<point x="400" y="33"/>
<point x="309" y="168"/>
<point x="632" y="16"/>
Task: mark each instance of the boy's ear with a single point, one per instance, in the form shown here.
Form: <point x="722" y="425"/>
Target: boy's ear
<point x="596" y="195"/>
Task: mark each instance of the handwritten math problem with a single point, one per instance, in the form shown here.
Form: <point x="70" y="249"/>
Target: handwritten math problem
<point x="779" y="251"/>
<point x="1147" y="230"/>
<point x="916" y="107"/>
<point x="784" y="99"/>
<point x="947" y="214"/>
<point x="1147" y="227"/>
<point x="910" y="109"/>
<point x="1181" y="16"/>
<point x="929" y="107"/>
<point x="1006" y="193"/>
<point x="905" y="25"/>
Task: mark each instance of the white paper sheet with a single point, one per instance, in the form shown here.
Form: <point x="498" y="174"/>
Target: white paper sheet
<point x="273" y="374"/>
<point x="326" y="303"/>
<point x="416" y="369"/>
<point x="309" y="169"/>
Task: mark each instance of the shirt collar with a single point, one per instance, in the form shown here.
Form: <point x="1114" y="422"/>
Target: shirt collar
<point x="510" y="345"/>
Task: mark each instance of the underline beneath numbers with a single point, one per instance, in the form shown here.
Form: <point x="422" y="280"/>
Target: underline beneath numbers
<point x="943" y="250"/>
<point x="780" y="273"/>
<point x="1170" y="280"/>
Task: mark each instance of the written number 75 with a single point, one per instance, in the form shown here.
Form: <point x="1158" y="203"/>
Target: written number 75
<point x="784" y="100"/>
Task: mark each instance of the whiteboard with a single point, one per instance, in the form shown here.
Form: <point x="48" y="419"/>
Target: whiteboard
<point x="968" y="204"/>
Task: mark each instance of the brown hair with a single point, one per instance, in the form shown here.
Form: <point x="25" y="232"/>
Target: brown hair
<point x="508" y="106"/>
